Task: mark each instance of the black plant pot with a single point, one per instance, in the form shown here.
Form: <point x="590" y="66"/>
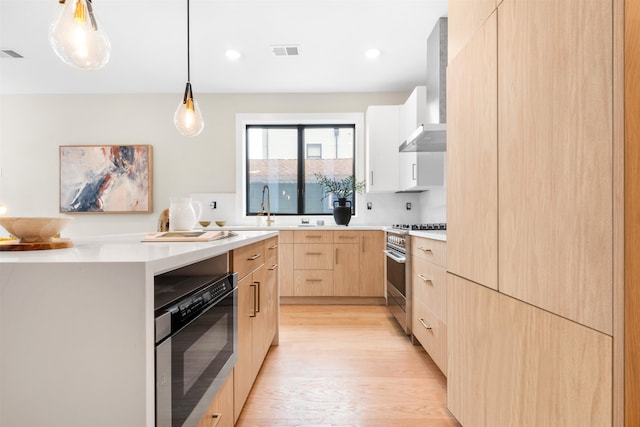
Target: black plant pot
<point x="342" y="212"/>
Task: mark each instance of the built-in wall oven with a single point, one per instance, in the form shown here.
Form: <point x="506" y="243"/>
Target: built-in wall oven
<point x="196" y="344"/>
<point x="398" y="275"/>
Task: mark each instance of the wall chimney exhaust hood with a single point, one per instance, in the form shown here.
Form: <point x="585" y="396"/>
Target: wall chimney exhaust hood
<point x="431" y="136"/>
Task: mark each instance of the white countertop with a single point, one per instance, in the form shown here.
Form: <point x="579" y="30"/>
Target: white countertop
<point x="430" y="234"/>
<point x="128" y="248"/>
<point x="299" y="227"/>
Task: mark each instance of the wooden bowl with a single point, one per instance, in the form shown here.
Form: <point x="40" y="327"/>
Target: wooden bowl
<point x="34" y="230"/>
<point x="221" y="223"/>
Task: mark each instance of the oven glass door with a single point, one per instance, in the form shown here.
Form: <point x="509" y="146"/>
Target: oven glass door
<point x="396" y="274"/>
<point x="188" y="364"/>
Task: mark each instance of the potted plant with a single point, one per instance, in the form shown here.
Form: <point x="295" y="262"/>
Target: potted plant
<point x="341" y="189"/>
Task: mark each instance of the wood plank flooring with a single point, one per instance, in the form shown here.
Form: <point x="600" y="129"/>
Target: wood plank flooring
<point x="345" y="366"/>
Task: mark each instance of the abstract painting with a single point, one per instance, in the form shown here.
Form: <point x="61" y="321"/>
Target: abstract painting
<point x="105" y="179"/>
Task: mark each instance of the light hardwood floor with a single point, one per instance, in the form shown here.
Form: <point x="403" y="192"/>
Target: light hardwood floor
<point x="345" y="366"/>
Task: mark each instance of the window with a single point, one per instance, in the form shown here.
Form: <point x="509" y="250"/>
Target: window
<point x="284" y="159"/>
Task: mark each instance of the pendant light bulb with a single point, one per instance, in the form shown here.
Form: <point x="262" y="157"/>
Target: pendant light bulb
<point x="188" y="117"/>
<point x="3" y="209"/>
<point x="77" y="38"/>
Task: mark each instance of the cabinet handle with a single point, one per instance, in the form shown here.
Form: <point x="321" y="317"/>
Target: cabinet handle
<point x="273" y="267"/>
<point x="424" y="324"/>
<point x="362" y="244"/>
<point x="413" y="171"/>
<point x="313" y="280"/>
<point x="258" y="294"/>
<point x="255" y="293"/>
<point x="217" y="418"/>
<point x="425" y="278"/>
<point x="424" y="249"/>
<point x="336" y="256"/>
<point x="347" y="237"/>
<point x="313" y="253"/>
<point x="255" y="257"/>
<point x="313" y="237"/>
<point x="273" y="247"/>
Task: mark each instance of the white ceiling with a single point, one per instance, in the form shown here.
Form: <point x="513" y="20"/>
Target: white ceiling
<point x="148" y="39"/>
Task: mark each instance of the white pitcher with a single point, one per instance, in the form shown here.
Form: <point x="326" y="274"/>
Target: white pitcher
<point x="183" y="214"/>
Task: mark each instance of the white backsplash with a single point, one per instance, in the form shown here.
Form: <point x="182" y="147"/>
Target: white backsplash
<point x="386" y="209"/>
<point x="433" y="206"/>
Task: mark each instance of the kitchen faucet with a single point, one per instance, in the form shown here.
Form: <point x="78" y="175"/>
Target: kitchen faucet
<point x="269" y="220"/>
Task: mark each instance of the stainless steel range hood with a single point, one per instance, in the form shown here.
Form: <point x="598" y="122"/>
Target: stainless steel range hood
<point x="432" y="135"/>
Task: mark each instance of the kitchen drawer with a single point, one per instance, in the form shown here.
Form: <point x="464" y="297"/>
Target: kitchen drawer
<point x="431" y="332"/>
<point x="271" y="250"/>
<point x="429" y="285"/>
<point x="248" y="258"/>
<point x="313" y="257"/>
<point x="346" y="236"/>
<point x="313" y="236"/>
<point x="313" y="283"/>
<point x="434" y="251"/>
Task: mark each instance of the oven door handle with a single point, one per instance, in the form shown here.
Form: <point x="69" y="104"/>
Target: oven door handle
<point x="393" y="256"/>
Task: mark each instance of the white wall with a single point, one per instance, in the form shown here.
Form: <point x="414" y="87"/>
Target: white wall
<point x="32" y="127"/>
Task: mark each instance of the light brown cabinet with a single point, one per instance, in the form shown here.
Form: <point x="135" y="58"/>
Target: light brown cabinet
<point x="328" y="263"/>
<point x="429" y="298"/>
<point x="512" y="364"/>
<point x="257" y="313"/>
<point x="532" y="195"/>
<point x="372" y="263"/>
<point x="220" y="412"/>
<point x="472" y="157"/>
<point x="555" y="147"/>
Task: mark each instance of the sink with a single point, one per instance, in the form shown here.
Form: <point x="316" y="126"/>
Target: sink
<point x="306" y="225"/>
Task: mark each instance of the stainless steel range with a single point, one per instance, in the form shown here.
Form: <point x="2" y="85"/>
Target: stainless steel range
<point x="398" y="271"/>
<point x="398" y="274"/>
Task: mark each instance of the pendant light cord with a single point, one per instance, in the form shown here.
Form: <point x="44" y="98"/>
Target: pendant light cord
<point x="188" y="47"/>
<point x="187" y="91"/>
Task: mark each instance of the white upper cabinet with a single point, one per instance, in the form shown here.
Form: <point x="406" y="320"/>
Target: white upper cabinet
<point x="421" y="171"/>
<point x="381" y="151"/>
<point x="413" y="112"/>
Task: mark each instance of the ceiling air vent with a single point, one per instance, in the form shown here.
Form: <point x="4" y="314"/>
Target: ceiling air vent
<point x="8" y="53"/>
<point x="285" y="50"/>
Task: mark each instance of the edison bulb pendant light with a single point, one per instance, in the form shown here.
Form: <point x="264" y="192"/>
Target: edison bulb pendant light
<point x="188" y="117"/>
<point x="77" y="38"/>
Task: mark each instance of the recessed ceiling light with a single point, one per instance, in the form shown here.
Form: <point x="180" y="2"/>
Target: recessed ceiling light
<point x="232" y="54"/>
<point x="372" y="53"/>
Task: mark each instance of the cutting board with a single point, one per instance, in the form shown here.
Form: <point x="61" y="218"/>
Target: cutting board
<point x="15" y="245"/>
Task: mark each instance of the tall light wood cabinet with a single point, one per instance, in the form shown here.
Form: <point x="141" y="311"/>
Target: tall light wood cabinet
<point x="472" y="156"/>
<point x="531" y="325"/>
<point x="465" y="18"/>
<point x="555" y="150"/>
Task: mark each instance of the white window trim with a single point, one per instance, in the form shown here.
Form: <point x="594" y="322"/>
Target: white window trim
<point x="242" y="120"/>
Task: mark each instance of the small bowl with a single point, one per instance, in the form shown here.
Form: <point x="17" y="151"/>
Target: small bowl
<point x="204" y="223"/>
<point x="221" y="223"/>
<point x="34" y="230"/>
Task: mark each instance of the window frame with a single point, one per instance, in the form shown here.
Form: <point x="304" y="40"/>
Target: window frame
<point x="301" y="157"/>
